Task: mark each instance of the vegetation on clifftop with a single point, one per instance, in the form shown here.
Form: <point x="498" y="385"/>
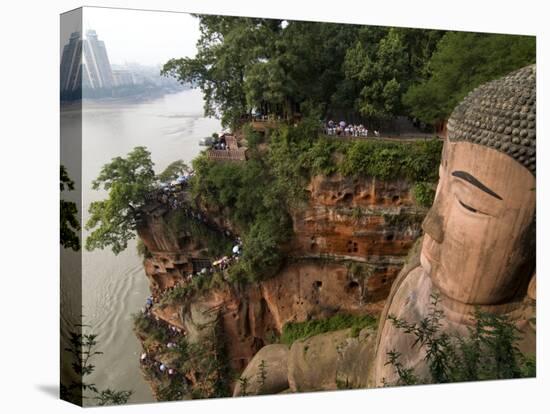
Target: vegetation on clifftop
<point x="461" y="62"/>
<point x="294" y="331"/>
<point x="297" y="153"/>
<point x="251" y="197"/>
<point x="377" y="73"/>
<point x="258" y="196"/>
<point x="112" y="221"/>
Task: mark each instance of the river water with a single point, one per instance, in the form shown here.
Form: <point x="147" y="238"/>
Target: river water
<point x="115" y="287"/>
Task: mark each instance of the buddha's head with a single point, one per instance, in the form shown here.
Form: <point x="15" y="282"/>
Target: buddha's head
<point x="479" y="245"/>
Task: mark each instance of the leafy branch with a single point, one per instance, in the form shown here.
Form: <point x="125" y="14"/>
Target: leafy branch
<point x="82" y="348"/>
<point x="488" y="351"/>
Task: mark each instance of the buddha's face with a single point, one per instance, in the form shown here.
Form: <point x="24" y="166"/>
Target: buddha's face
<point x="479" y="245"/>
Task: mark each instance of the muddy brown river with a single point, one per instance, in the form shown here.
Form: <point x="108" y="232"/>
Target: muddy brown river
<point x="115" y="287"/>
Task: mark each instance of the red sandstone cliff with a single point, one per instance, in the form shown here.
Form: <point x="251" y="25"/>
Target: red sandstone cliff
<point x="349" y="243"/>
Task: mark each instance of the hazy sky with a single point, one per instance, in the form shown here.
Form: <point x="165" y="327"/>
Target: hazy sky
<point x="145" y="37"/>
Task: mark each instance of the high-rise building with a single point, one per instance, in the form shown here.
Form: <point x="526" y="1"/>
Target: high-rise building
<point x="97" y="62"/>
<point x="123" y="77"/>
<point x="71" y="63"/>
<point x="85" y="64"/>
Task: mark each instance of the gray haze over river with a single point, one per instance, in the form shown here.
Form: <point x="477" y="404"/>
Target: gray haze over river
<point x="114" y="287"/>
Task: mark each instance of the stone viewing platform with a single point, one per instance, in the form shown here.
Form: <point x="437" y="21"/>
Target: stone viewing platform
<point x="238" y="154"/>
<point x="227" y="150"/>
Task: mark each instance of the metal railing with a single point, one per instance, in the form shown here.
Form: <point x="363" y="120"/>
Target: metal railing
<point x="238" y="154"/>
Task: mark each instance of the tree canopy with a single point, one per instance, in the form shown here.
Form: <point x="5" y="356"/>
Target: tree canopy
<point x="69" y="224"/>
<point x="266" y="64"/>
<point x="384" y="62"/>
<point x="127" y="181"/>
<point x="173" y="171"/>
<point x="334" y="69"/>
<point x="462" y="62"/>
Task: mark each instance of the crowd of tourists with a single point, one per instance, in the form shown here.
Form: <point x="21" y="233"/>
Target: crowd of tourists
<point x="172" y="193"/>
<point x="173" y="332"/>
<point x="219" y="143"/>
<point x="173" y="197"/>
<point x="158" y="367"/>
<point x="225" y="262"/>
<point x="218" y="265"/>
<point x="343" y="129"/>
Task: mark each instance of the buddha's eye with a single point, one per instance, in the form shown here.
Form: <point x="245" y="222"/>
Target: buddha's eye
<point x="467" y="207"/>
<point x="470" y="208"/>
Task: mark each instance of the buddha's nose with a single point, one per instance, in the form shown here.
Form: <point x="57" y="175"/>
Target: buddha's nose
<point x="433" y="223"/>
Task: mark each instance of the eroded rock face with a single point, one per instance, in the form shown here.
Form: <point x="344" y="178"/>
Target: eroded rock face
<point x="267" y="372"/>
<point x="350" y="242"/>
<point x="330" y="361"/>
<point x="365" y="219"/>
<point x="316" y="289"/>
<point x="173" y="249"/>
<point x="249" y="316"/>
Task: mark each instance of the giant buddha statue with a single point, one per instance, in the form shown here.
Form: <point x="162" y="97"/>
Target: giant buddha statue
<point x="478" y="250"/>
<point x="479" y="244"/>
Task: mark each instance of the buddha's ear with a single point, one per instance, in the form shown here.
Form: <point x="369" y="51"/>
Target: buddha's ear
<point x="532" y="288"/>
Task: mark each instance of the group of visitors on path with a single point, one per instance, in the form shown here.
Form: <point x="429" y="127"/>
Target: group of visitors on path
<point x="343" y="129"/>
<point x="218" y="265"/>
<point x="172" y="332"/>
<point x="171" y="194"/>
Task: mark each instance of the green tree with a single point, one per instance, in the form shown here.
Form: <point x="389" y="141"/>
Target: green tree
<point x="263" y="246"/>
<point x="227" y="48"/>
<point x="312" y="54"/>
<point x="245" y="63"/>
<point x="489" y="351"/>
<point x="268" y="83"/>
<point x="127" y="180"/>
<point x="380" y="66"/>
<point x="462" y="62"/>
<point x="420" y="45"/>
<point x="173" y="171"/>
<point x="83" y="349"/>
<point x="381" y="72"/>
<point x="250" y="196"/>
<point x="69" y="224"/>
